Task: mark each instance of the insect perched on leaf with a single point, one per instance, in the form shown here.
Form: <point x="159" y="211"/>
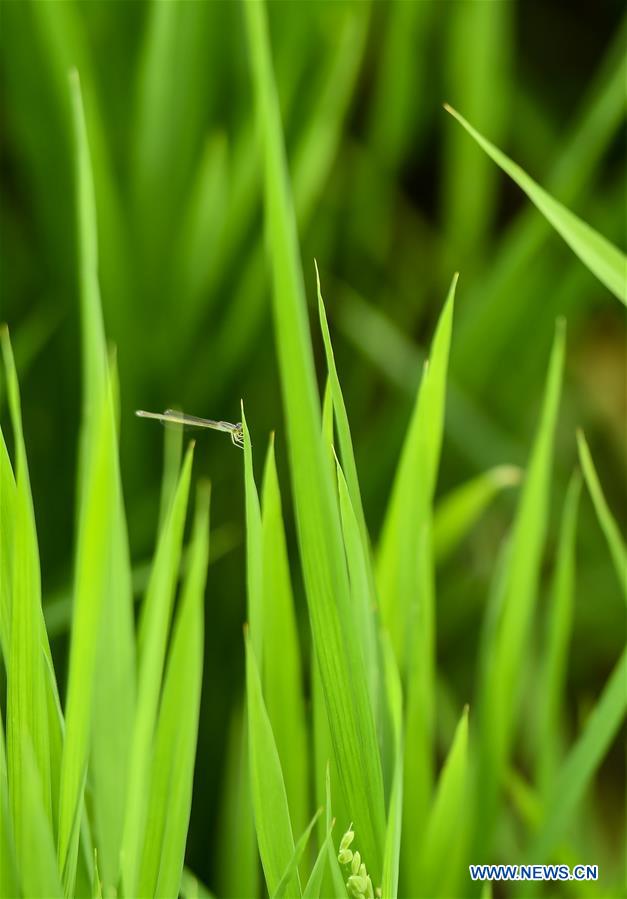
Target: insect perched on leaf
<point x="171" y="416"/>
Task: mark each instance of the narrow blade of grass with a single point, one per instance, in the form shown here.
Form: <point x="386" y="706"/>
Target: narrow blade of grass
<point x="441" y="852"/>
<point x="504" y="652"/>
<point x="177" y="729"/>
<point x="324" y="770"/>
<point x="93" y="560"/>
<point x="27" y="707"/>
<point x="339" y="890"/>
<point x="7" y="525"/>
<point x="292" y="869"/>
<point x="581" y="150"/>
<point x="603" y="259"/>
<point x="282" y="669"/>
<point x="405" y="578"/>
<point x="96" y="885"/>
<point x="459" y="510"/>
<point x="18" y="492"/>
<point x="38" y="869"/>
<point x="552" y="679"/>
<point x="9" y="884"/>
<point x="608" y="524"/>
<point x="156" y="614"/>
<point x="237" y="855"/>
<point x="314" y="883"/>
<point x="392" y="852"/>
<point x="341" y="418"/>
<point x="172" y="456"/>
<point x="582" y="761"/>
<point x="113" y="695"/>
<point x="419" y="749"/>
<point x="362" y="587"/>
<point x="351" y="721"/>
<point x="409" y="506"/>
<point x="479" y="79"/>
<point x="356" y="539"/>
<point x="254" y="551"/>
<point x="272" y="817"/>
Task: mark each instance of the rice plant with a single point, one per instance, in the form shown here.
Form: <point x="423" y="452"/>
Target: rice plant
<point x="358" y="763"/>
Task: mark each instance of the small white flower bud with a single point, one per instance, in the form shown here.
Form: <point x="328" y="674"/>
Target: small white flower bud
<point x="357" y="885"/>
<point x="348" y="837"/>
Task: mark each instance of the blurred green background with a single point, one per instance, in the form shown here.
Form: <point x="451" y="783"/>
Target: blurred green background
<point x="392" y="197"/>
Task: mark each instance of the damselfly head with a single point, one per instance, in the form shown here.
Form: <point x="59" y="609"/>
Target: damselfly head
<point x="237" y="435"/>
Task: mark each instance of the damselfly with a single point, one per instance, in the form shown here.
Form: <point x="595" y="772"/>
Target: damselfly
<point x="172" y="417"/>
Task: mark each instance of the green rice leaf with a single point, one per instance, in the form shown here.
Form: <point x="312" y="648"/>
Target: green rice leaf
<point x="254" y="550"/>
<point x="314" y="883"/>
<point x="441" y="849"/>
<point x="459" y="510"/>
<point x="7" y="524"/>
<point x="362" y="585"/>
<point x="177" y="729"/>
<point x="113" y="697"/>
<point x="391" y="857"/>
<point x="272" y="817"/>
<point x="583" y="145"/>
<point x="65" y="46"/>
<point x="419" y="750"/>
<point x="341" y="418"/>
<point x="292" y="869"/>
<point x="339" y="889"/>
<point x="238" y="858"/>
<point x="156" y="612"/>
<point x="412" y="493"/>
<point x="356" y="539"/>
<point x="504" y="654"/>
<point x="172" y="456"/>
<point x="350" y="718"/>
<point x="478" y="77"/>
<point x="93" y="560"/>
<point x="603" y="259"/>
<point x="96" y="886"/>
<point x="582" y="761"/>
<point x="282" y="669"/>
<point x="607" y="521"/>
<point x="18" y="492"/>
<point x="552" y="679"/>
<point x="27" y="700"/>
<point x="9" y="883"/>
<point x="38" y="867"/>
<point x="405" y="578"/>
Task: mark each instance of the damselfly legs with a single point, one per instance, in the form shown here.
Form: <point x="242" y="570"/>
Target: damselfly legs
<point x="172" y="417"/>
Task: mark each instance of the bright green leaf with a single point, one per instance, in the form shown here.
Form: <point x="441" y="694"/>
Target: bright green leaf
<point x="272" y="817"/>
<point x="596" y="252"/>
